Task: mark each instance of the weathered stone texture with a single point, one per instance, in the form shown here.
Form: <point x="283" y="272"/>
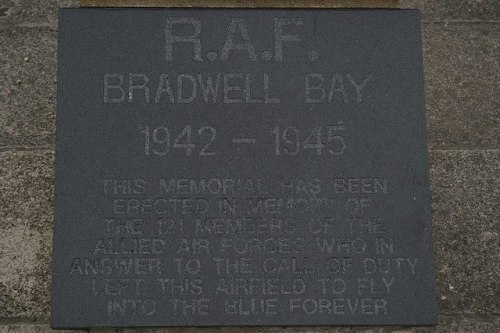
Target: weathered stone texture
<point x="465" y="200"/>
<point x="462" y="66"/>
<point x="26" y="193"/>
<point x="32" y="12"/>
<point x="453" y="10"/>
<point x="454" y="324"/>
<point x="466" y="324"/>
<point x="27" y="86"/>
<point x="44" y="12"/>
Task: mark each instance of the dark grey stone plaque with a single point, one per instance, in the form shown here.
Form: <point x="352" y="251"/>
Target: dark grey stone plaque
<point x="241" y="167"/>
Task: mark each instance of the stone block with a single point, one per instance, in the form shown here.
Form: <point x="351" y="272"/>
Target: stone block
<point x="461" y="64"/>
<point x="32" y="12"/>
<point x="465" y="194"/>
<point x="27" y="86"/>
<point x="448" y="324"/>
<point x="456" y="10"/>
<point x="26" y="193"/>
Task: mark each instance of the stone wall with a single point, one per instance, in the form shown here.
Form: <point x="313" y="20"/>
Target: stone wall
<point x="462" y="66"/>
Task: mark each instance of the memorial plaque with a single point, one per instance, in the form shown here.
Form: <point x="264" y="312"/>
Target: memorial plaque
<point x="241" y="167"/>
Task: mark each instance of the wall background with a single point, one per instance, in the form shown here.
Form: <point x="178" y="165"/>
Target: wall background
<point x="461" y="41"/>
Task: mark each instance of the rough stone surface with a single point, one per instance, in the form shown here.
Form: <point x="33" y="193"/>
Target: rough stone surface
<point x="27" y="86"/>
<point x="454" y="324"/>
<point x="472" y="324"/>
<point x="461" y="64"/>
<point x="43" y="12"/>
<point x="32" y="12"/>
<point x="465" y="189"/>
<point x="26" y="193"/>
<point x="453" y="10"/>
